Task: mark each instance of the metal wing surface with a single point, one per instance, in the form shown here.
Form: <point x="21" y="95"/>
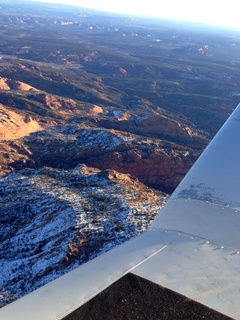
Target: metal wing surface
<point x="193" y="246"/>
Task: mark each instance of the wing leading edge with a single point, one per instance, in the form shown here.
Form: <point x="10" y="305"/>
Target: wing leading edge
<point x="192" y="247"/>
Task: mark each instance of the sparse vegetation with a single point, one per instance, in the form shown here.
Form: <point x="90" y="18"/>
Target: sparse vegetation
<point x="91" y="108"/>
<point x="48" y="219"/>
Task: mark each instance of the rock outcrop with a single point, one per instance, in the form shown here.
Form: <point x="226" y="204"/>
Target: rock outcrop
<point x="59" y="219"/>
<point x="159" y="164"/>
<point x="99" y="116"/>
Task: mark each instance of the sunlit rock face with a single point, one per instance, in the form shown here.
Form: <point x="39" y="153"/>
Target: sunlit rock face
<point x="100" y="119"/>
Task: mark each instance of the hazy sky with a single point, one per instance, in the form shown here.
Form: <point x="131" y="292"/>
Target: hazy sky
<point x="220" y="12"/>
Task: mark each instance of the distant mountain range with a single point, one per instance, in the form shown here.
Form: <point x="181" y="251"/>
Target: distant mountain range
<point x="101" y="117"/>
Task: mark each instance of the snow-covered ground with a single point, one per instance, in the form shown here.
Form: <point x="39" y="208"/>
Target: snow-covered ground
<point x="54" y="220"/>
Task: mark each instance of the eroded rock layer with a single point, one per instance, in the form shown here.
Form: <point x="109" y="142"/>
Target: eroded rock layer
<point x="99" y="116"/>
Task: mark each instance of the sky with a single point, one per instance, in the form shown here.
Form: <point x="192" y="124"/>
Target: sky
<point x="217" y="12"/>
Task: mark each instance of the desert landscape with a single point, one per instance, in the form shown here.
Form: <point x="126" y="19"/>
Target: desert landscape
<point x="101" y="117"/>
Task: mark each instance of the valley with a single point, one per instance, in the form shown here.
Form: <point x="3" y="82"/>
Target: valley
<point x="101" y="117"/>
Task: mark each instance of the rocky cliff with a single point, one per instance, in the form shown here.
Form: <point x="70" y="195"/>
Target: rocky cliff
<point x="100" y="116"/>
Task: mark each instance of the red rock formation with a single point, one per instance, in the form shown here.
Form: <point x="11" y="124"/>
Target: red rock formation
<point x="157" y="167"/>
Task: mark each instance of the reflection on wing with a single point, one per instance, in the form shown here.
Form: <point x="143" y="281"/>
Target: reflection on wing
<point x="191" y="248"/>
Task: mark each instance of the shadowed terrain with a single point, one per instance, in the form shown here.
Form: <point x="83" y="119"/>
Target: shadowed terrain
<point x="101" y="117"/>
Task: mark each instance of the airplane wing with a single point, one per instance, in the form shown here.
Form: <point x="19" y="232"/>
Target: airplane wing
<point x="187" y="263"/>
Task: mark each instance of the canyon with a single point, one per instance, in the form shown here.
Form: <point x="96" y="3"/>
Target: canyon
<point x="101" y="117"/>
